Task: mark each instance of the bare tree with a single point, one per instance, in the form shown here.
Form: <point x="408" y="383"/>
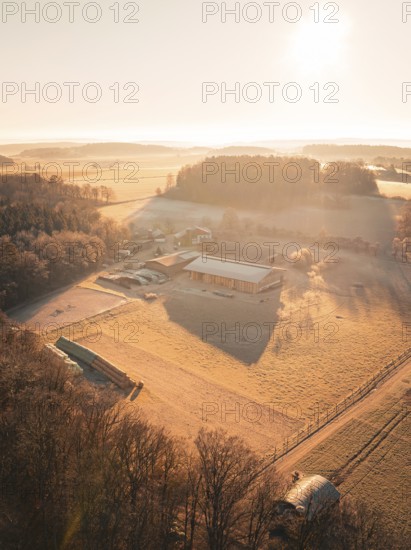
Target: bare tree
<point x="228" y="472"/>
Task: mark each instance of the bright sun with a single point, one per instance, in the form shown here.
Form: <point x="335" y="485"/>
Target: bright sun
<point x="317" y="47"/>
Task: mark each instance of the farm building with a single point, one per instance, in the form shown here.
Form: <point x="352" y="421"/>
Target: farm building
<point x="173" y="263"/>
<point x="95" y="361"/>
<point x="58" y="358"/>
<point x="192" y="235"/>
<point x="122" y="254"/>
<point x="158" y="236"/>
<point x="127" y="278"/>
<point x="309" y="495"/>
<point x="242" y="276"/>
<point x="123" y="278"/>
<point x="143" y="244"/>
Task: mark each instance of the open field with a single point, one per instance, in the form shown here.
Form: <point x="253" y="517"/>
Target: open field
<point x="130" y="178"/>
<point x="66" y="307"/>
<point x="394" y="189"/>
<point x="367" y="451"/>
<point x="371" y="218"/>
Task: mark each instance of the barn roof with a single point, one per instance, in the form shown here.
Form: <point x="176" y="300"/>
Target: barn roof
<point x="194" y="229"/>
<point x="312" y="493"/>
<point x="174" y="259"/>
<point x="231" y="269"/>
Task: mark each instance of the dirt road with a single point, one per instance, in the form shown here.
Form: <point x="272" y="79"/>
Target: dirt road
<point x="287" y="464"/>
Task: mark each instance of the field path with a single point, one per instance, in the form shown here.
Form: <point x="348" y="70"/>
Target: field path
<point x="288" y="463"/>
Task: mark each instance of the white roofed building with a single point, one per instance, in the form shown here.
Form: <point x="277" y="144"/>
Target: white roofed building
<point x="243" y="276"/>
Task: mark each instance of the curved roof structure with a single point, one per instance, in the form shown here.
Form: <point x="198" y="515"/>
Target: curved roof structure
<point x="311" y="494"/>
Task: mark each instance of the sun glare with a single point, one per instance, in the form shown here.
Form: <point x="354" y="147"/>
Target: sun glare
<point x="317" y="47"/>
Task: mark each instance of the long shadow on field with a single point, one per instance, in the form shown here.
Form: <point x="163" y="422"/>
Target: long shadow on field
<point x="239" y="326"/>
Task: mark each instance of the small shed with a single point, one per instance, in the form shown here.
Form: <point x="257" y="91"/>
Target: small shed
<point x="311" y="494"/>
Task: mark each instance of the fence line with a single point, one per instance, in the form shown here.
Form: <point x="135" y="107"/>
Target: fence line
<point x="290" y="443"/>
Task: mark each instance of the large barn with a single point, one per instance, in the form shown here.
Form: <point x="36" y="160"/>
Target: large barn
<point x="243" y="276"/>
<point x="172" y="263"/>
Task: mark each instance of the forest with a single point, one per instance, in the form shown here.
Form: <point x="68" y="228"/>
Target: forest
<point x="270" y="182"/>
<point x="50" y="234"/>
<point x="80" y="470"/>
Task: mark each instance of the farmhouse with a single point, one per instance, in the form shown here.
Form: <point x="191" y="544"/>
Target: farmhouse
<point x="242" y="276"/>
<point x="172" y="263"/>
<point x="192" y="236"/>
<point x="158" y="236"/>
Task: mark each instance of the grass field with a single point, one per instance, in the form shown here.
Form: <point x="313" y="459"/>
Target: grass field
<point x="369" y="458"/>
<point x="130" y="178"/>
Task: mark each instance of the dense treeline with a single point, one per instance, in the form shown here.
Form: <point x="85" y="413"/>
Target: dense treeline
<point x="50" y="234"/>
<point x="31" y="186"/>
<point x="79" y="471"/>
<point x="21" y="216"/>
<point x="270" y="182"/>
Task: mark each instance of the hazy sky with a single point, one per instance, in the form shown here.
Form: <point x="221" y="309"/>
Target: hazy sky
<point x="170" y="53"/>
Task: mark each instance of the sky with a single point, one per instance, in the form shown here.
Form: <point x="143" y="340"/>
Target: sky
<point x="293" y="77"/>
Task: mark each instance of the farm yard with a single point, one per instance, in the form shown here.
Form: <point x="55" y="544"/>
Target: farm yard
<point x="269" y="370"/>
<point x="199" y="362"/>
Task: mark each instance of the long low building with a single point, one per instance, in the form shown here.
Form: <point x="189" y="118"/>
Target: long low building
<point x="92" y="359"/>
<point x="243" y="276"/>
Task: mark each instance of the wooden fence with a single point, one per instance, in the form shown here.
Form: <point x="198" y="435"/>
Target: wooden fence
<point x="333" y="412"/>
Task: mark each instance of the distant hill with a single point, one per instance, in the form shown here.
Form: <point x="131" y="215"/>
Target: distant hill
<point x="347" y="152"/>
<point x="101" y="150"/>
<point x="98" y="150"/>
<point x="15" y="148"/>
<point x="242" y="150"/>
<point x="5" y="160"/>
